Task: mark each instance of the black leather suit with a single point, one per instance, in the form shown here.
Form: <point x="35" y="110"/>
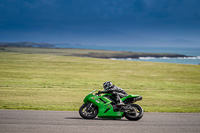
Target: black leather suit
<point x="116" y="92"/>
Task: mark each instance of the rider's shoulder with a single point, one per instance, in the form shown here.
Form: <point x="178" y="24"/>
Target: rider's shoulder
<point x="115" y="87"/>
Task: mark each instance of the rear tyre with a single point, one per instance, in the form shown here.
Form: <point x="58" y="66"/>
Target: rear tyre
<point x="88" y="111"/>
<point x="134" y="114"/>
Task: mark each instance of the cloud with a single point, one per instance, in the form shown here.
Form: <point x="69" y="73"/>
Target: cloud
<point x="127" y="20"/>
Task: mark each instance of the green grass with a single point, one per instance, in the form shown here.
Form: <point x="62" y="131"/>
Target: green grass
<point x="51" y="82"/>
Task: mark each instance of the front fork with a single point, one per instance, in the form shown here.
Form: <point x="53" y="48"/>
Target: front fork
<point x="89" y="107"/>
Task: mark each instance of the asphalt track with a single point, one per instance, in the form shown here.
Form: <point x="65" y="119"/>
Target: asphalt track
<point x="70" y="122"/>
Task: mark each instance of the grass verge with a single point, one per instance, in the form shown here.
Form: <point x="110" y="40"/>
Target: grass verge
<point x="49" y="82"/>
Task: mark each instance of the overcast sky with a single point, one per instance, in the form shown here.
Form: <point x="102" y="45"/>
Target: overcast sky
<point x="102" y="22"/>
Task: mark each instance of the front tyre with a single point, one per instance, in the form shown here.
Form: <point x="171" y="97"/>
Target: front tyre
<point x="135" y="114"/>
<point x="88" y="111"/>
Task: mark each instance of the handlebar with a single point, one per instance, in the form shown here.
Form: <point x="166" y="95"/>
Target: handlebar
<point x="97" y="94"/>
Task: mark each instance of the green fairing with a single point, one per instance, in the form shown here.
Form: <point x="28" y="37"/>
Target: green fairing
<point x="105" y="109"/>
<point x="103" y="106"/>
<point x="129" y="96"/>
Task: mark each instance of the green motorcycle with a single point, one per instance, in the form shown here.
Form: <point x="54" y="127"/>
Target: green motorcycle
<point x="105" y="107"/>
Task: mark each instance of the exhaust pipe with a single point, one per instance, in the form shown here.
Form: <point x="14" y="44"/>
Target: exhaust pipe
<point x="138" y="98"/>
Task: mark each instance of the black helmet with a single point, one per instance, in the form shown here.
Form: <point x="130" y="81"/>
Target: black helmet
<point x="107" y="85"/>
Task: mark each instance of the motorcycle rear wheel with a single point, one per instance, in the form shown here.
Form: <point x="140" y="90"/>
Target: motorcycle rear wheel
<point x="136" y="114"/>
<point x="88" y="113"/>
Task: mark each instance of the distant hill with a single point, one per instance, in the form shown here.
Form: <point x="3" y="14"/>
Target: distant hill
<point x="27" y="44"/>
<point x="33" y="48"/>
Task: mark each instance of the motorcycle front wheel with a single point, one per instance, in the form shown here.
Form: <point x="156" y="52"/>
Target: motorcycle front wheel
<point x="88" y="111"/>
<point x="134" y="114"/>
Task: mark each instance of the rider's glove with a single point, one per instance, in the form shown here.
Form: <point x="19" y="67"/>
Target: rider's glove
<point x="99" y="92"/>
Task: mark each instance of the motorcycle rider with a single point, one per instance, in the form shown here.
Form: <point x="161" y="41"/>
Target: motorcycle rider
<point x="115" y="91"/>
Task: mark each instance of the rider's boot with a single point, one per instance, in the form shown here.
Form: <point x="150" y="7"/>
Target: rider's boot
<point x="120" y="103"/>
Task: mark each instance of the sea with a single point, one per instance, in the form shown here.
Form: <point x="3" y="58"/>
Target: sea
<point x="193" y="53"/>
